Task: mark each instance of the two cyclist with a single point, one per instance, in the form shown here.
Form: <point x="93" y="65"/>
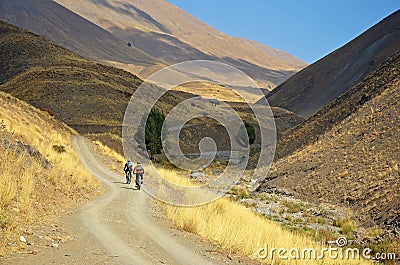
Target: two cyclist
<point x="138" y="170"/>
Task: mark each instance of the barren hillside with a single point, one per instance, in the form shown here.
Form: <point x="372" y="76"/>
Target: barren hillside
<point x="356" y="162"/>
<point x="66" y="28"/>
<point x="88" y="96"/>
<point x="154" y="27"/>
<point x="315" y="86"/>
<point x="84" y="94"/>
<point x="40" y="177"/>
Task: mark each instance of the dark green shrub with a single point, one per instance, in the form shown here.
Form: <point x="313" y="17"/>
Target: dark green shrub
<point x="153" y="126"/>
<point x="59" y="148"/>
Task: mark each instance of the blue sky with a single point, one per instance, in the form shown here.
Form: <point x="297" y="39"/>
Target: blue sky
<point x="308" y="29"/>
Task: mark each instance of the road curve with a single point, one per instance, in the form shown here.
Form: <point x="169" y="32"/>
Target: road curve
<point x="121" y="221"/>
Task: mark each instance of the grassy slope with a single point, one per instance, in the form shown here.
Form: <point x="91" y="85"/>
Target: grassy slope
<point x="86" y="95"/>
<point x="47" y="75"/>
<point x="356" y="162"/>
<point x="31" y="195"/>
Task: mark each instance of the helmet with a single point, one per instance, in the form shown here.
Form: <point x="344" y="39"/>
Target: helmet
<point x="129" y="160"/>
<point x="138" y="162"/>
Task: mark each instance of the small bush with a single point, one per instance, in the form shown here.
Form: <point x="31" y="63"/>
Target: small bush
<point x="4" y="222"/>
<point x="375" y="232"/>
<point x="320" y="220"/>
<point x="2" y="126"/>
<point x="59" y="148"/>
<point x="249" y="205"/>
<point x="346" y="225"/>
<point x="292" y="207"/>
<point x="49" y="111"/>
<point x="240" y="191"/>
<point x="274" y="198"/>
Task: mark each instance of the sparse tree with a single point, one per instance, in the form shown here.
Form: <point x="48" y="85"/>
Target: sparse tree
<point x="153" y="126"/>
<point x="251" y="132"/>
<point x="247" y="130"/>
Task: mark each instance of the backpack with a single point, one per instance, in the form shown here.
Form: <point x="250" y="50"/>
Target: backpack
<point x="139" y="169"/>
<point x="130" y="165"/>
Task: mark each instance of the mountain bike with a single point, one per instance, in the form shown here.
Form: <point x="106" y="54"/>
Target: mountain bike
<point x="139" y="181"/>
<point x="128" y="176"/>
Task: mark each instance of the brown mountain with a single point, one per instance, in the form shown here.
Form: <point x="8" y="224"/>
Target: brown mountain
<point x="126" y="18"/>
<point x="355" y="159"/>
<point x="84" y="94"/>
<point x="68" y="29"/>
<point x="154" y="27"/>
<point x="88" y="96"/>
<point x="315" y="86"/>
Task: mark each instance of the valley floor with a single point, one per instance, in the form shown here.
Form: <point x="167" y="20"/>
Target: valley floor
<point x="124" y="226"/>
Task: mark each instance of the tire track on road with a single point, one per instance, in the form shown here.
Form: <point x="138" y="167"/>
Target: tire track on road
<point x="152" y="236"/>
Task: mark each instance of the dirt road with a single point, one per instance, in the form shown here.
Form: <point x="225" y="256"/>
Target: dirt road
<point x="120" y="228"/>
<point x="159" y="245"/>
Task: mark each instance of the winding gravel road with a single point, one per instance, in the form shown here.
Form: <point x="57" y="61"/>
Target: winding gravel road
<point x="140" y="232"/>
<point x="120" y="227"/>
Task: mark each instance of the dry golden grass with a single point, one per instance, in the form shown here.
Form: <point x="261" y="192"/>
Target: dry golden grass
<point x="240" y="230"/>
<point x="220" y="92"/>
<point x="118" y="160"/>
<point x="209" y="90"/>
<point x="107" y="151"/>
<point x="41" y="132"/>
<point x="171" y="176"/>
<point x="17" y="180"/>
<point x="112" y="136"/>
<point x="23" y="177"/>
<point x="234" y="227"/>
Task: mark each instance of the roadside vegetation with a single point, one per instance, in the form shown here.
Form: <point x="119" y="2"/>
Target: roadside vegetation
<point x="230" y="225"/>
<point x="40" y="174"/>
<point x="239" y="230"/>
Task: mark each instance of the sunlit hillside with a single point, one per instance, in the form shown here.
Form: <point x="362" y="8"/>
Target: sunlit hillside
<point x="40" y="174"/>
